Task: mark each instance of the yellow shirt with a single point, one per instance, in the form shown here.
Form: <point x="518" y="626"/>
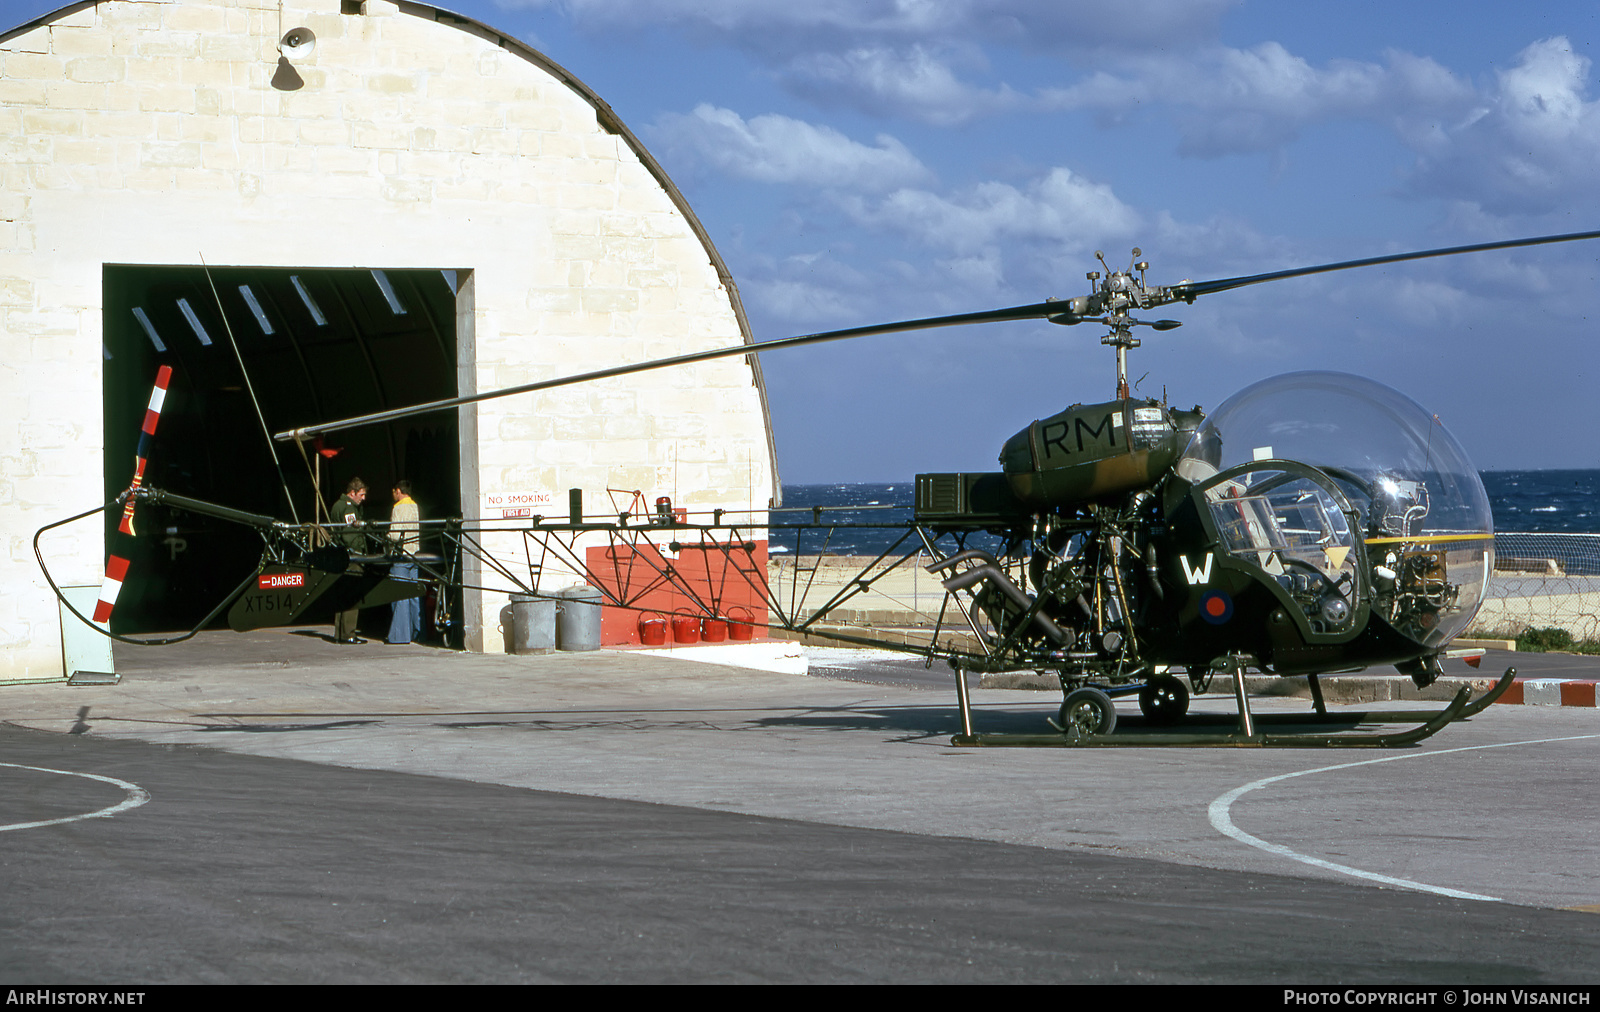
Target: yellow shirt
<point x="404" y="526"/>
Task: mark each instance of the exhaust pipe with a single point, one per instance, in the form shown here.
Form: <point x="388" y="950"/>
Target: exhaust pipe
<point x="1002" y="582"/>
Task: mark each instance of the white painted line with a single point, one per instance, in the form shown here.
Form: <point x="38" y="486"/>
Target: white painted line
<point x="1224" y="824"/>
<point x="136" y="796"/>
<point x="780" y="656"/>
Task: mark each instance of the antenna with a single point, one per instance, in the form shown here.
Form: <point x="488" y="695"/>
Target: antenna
<point x="251" y="389"/>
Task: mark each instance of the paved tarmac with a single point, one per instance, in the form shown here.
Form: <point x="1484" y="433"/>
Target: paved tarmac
<point x="397" y="814"/>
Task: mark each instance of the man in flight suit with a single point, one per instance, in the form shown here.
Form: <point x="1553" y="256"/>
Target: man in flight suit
<point x="347" y="521"/>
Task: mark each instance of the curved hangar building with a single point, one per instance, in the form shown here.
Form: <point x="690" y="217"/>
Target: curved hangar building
<point x="400" y="205"/>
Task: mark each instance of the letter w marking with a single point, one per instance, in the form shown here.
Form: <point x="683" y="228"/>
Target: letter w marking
<point x="1197" y="574"/>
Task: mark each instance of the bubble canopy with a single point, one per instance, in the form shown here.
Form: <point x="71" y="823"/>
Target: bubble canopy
<point x="1425" y="517"/>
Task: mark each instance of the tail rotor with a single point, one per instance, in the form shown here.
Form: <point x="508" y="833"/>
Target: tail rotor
<point x="152" y="416"/>
<point x="117" y="564"/>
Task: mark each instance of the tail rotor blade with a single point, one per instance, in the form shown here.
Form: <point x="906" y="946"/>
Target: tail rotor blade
<point x="117" y="565"/>
<point x="116" y="572"/>
<point x="152" y="417"/>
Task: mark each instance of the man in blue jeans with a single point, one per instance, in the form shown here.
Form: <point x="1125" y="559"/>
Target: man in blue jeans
<point x="404" y="537"/>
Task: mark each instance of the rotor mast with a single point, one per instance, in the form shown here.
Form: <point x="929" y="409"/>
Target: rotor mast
<point x="1121" y="337"/>
<point x="1114" y="293"/>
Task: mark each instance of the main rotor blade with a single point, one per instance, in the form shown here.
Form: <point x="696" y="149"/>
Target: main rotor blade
<point x="1036" y="310"/>
<point x="1188" y="290"/>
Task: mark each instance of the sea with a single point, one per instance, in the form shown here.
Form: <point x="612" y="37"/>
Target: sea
<point x="1522" y="501"/>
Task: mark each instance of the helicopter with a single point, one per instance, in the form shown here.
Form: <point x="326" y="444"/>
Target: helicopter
<point x="1312" y="523"/>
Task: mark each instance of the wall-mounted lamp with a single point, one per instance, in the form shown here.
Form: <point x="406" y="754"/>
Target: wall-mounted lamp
<point x="297" y="44"/>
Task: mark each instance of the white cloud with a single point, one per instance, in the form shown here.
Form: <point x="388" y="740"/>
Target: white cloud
<point x="978" y="243"/>
<point x="1050" y="24"/>
<point x="1425" y="303"/>
<point x="875" y="16"/>
<point x="1528" y="142"/>
<point x="777" y="149"/>
<point x="798" y="301"/>
<point x="1532" y="144"/>
<point x="1228" y="100"/>
<point x="910" y="58"/>
<point x="915" y="82"/>
<point x="991" y="242"/>
<point x="979" y="273"/>
<point x="1061" y="208"/>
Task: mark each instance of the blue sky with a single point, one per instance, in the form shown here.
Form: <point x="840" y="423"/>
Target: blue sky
<point x="859" y="162"/>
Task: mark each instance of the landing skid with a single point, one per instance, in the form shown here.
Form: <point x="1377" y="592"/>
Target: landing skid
<point x="1461" y="707"/>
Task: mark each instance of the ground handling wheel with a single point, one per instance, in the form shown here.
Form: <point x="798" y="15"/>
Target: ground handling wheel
<point x="1087" y="711"/>
<point x="1164" y="701"/>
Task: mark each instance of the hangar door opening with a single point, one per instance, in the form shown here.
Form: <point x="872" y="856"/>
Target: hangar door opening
<point x="318" y="345"/>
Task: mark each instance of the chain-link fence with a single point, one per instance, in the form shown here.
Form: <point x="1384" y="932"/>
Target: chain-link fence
<point x="1543" y="581"/>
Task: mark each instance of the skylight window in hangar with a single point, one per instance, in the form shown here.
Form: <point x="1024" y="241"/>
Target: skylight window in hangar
<point x="256" y="310"/>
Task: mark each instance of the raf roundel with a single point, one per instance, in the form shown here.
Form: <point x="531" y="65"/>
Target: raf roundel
<point x="1216" y="606"/>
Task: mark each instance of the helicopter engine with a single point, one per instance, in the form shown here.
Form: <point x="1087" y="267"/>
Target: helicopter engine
<point x="1084" y="475"/>
<point x="1090" y="581"/>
